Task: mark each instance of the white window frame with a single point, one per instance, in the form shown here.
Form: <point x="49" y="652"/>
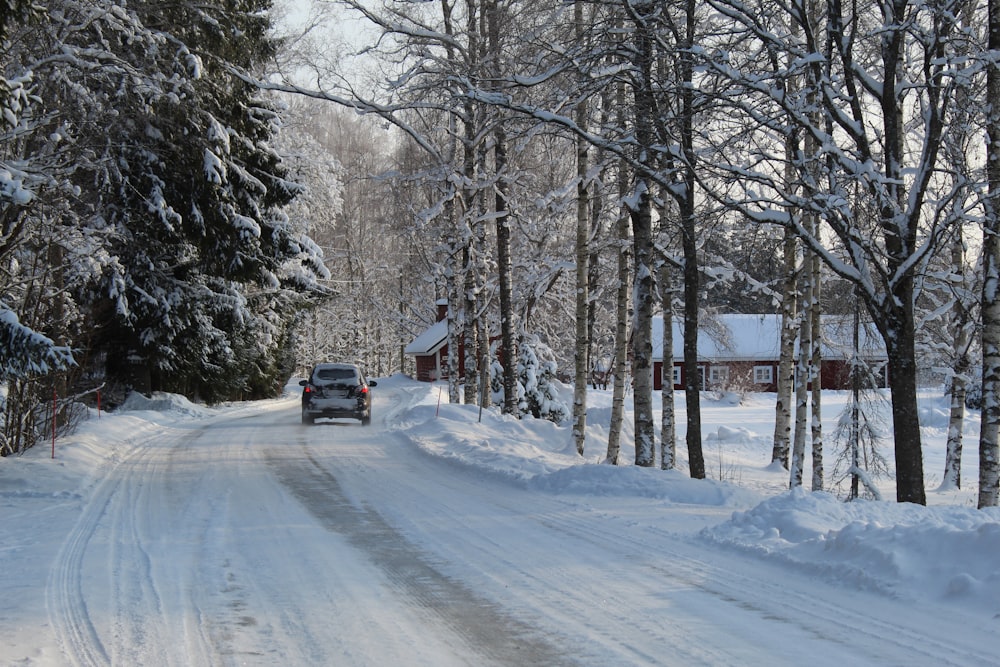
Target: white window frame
<point x="763" y="374"/>
<point x="675" y="375"/>
<point x="718" y="375"/>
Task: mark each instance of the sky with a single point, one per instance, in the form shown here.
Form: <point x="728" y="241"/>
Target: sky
<point x="174" y="533"/>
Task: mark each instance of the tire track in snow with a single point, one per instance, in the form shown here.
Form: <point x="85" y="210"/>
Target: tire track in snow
<point x="114" y="528"/>
<point x="65" y="599"/>
<point x="672" y="586"/>
<point x="485" y="627"/>
<point x="699" y="567"/>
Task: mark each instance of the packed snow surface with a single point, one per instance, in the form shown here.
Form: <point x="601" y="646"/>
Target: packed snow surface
<point x="168" y="533"/>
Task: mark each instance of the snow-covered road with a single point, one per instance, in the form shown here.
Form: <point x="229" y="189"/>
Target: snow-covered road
<point x="247" y="538"/>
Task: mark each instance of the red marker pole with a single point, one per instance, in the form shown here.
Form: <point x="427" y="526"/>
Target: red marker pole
<point x="54" y="398"/>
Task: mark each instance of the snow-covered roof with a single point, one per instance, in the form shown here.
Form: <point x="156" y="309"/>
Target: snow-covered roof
<point x="757" y="338"/>
<point x="430" y="341"/>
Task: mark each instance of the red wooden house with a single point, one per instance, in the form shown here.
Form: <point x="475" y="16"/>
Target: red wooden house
<point x="430" y="349"/>
<point x="742" y="351"/>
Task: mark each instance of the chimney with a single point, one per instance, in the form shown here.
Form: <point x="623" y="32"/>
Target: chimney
<point x="442" y="307"/>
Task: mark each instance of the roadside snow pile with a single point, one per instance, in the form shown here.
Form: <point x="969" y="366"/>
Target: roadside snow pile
<point x="500" y="445"/>
<point x="901" y="549"/>
<point x="672" y="486"/>
<point x="943" y="552"/>
<point x="539" y="454"/>
<point x="164" y="403"/>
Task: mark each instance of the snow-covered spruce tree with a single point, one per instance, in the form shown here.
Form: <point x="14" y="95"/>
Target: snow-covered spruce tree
<point x="23" y="351"/>
<point x="537" y="375"/>
<point x="179" y="184"/>
<point x="25" y="356"/>
<point x="42" y="248"/>
<point x="498" y="393"/>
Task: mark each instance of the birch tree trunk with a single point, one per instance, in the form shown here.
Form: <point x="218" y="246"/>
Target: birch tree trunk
<point x="504" y="269"/>
<point x="582" y="340"/>
<point x="668" y="427"/>
<point x="816" y="374"/>
<point x="451" y="219"/>
<point x="621" y="338"/>
<point x="961" y="322"/>
<point x="785" y="381"/>
<point x="472" y="160"/>
<point x="642" y="240"/>
<point x="989" y="449"/>
<point x="801" y="394"/>
<point x="642" y="344"/>
<point x="813" y="147"/>
<point x="961" y="364"/>
<point x="470" y="324"/>
<point x="692" y="275"/>
<point x="621" y="307"/>
<point x="455" y="329"/>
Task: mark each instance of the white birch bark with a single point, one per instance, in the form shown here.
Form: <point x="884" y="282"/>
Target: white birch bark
<point x="961" y="323"/>
<point x="621" y="309"/>
<point x="642" y="239"/>
<point x="989" y="448"/>
<point x="621" y="342"/>
<point x="668" y="424"/>
<point x="582" y="339"/>
<point x="785" y="381"/>
<point x="989" y="445"/>
<point x="816" y="375"/>
<point x="801" y="391"/>
<point x="957" y="386"/>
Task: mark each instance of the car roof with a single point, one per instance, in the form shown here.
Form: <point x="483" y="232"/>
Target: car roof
<point x="336" y="370"/>
<point x="329" y="364"/>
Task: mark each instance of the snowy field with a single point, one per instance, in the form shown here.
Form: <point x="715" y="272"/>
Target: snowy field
<point x="170" y="533"/>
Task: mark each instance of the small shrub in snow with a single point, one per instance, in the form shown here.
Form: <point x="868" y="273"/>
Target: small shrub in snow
<point x="540" y="398"/>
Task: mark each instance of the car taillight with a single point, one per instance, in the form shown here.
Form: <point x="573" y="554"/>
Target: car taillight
<point x="307" y="390"/>
<point x="363" y="390"/>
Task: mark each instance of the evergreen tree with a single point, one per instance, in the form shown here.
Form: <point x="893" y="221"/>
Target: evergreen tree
<point x="162" y="218"/>
<point x="537" y="377"/>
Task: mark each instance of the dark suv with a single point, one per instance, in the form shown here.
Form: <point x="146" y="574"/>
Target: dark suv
<point x="336" y="390"/>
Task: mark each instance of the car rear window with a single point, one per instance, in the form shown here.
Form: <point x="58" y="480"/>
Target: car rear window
<point x="335" y="374"/>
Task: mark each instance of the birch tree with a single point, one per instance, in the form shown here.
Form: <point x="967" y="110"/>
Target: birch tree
<point x="582" y="337"/>
<point x="785" y="381"/>
<point x="641" y="214"/>
<point x="668" y="421"/>
<point x="620" y="371"/>
<point x="989" y="445"/>
<point x="884" y="94"/>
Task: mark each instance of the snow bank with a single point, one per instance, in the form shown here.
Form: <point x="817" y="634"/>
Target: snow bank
<point x="172" y="404"/>
<point x="897" y="548"/>
<point x="539" y="454"/>
<point x="947" y="552"/>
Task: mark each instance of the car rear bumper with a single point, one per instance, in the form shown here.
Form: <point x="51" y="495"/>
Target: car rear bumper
<point x="334" y="407"/>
